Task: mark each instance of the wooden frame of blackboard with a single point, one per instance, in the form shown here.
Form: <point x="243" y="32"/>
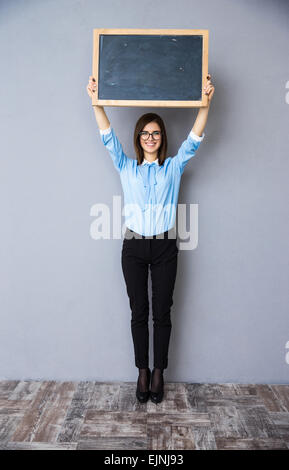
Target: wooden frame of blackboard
<point x="142" y="103"/>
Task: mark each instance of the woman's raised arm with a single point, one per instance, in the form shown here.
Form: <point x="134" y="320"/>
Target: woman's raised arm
<point x="202" y="116"/>
<point x="100" y="115"/>
<point x="107" y="134"/>
<point x="189" y="147"/>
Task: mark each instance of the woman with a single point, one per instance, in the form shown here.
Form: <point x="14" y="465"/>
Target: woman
<point x="151" y="185"/>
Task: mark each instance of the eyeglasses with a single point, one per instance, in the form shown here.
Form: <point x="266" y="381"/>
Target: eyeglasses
<point x="145" y="135"/>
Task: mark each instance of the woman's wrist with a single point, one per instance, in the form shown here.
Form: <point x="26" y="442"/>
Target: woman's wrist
<point x="206" y="108"/>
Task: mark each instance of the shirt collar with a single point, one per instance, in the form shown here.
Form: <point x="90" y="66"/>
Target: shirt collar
<point x="146" y="161"/>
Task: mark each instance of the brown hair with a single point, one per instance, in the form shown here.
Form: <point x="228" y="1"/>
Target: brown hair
<point x="141" y="123"/>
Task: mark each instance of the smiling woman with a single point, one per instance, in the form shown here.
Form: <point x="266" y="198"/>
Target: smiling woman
<point x="150" y="185"/>
<point x="150" y="140"/>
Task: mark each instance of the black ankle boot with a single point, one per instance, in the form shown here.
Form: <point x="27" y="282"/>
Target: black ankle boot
<point x="144" y="396"/>
<point x="156" y="397"/>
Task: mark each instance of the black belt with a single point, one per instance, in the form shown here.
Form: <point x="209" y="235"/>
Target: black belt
<point x="158" y="236"/>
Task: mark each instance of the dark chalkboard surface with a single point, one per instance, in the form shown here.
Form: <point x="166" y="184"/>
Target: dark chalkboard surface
<point x="142" y="68"/>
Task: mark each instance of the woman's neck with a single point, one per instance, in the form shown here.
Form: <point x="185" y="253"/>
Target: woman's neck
<point x="150" y="157"/>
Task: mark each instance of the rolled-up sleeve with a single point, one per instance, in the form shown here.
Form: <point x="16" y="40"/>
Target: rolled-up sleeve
<point x="114" y="147"/>
<point x="187" y="150"/>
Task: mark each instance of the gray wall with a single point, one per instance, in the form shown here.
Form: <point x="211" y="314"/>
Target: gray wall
<point x="64" y="308"/>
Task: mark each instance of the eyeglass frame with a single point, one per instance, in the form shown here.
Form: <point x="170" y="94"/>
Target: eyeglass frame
<point x="149" y="133"/>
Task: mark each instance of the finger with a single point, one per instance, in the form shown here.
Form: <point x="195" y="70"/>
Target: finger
<point x="209" y="87"/>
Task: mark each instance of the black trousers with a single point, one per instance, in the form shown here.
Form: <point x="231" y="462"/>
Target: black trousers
<point x="161" y="254"/>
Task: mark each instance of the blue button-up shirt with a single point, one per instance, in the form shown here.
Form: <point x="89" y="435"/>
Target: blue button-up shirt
<point x="150" y="190"/>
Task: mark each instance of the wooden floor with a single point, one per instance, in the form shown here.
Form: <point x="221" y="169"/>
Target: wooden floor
<point x="96" y="415"/>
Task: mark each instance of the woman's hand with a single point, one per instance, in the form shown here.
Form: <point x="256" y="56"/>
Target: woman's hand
<point x="209" y="88"/>
<point x="91" y="87"/>
<point x="100" y="115"/>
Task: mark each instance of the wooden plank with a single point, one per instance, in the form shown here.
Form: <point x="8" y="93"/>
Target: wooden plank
<point x="246" y="389"/>
<point x="282" y="393"/>
<point x="233" y="443"/>
<point x="38" y="446"/>
<point x="28" y="425"/>
<point x="196" y="397"/>
<point x="159" y="436"/>
<point x="237" y="401"/>
<point x="269" y="398"/>
<point x="219" y="390"/>
<point x="180" y="419"/>
<point x="114" y="423"/>
<point x="258" y="422"/>
<point x="52" y="417"/>
<point x="16" y="407"/>
<point x="182" y="438"/>
<point x="7" y="387"/>
<point x="105" y="396"/>
<point x="227" y="422"/>
<point x="8" y="425"/>
<point x="204" y="438"/>
<point x="281" y="421"/>
<point x="113" y="443"/>
<point x="76" y="412"/>
<point x="191" y="438"/>
<point x="25" y="390"/>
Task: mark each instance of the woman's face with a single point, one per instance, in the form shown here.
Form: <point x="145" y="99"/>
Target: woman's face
<point x="151" y="145"/>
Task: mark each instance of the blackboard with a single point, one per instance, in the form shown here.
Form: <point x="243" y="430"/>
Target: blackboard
<point x="150" y="67"/>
